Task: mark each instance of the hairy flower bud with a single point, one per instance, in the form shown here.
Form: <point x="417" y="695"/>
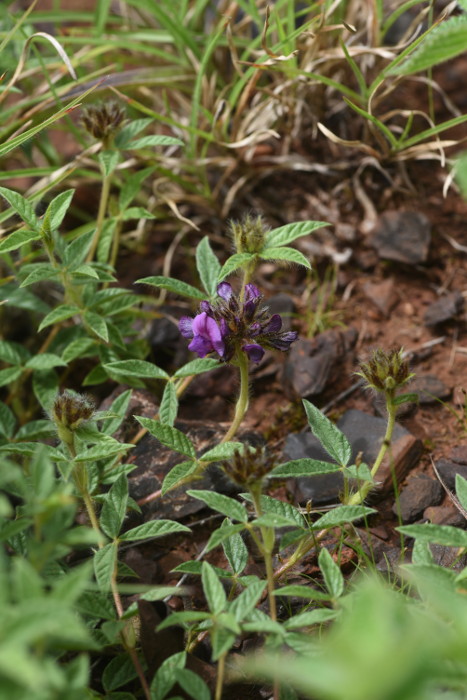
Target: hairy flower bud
<point x="103" y="120"/>
<point x="386" y="371"/>
<point x="249" y="234"/>
<point x="249" y="467"/>
<point x="68" y="412"/>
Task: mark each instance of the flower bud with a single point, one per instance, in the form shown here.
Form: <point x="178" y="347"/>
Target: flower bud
<point x="69" y="411"/>
<point x="249" y="467"/>
<point x="249" y="234"/>
<point x="103" y="120"/>
<point x="386" y="371"/>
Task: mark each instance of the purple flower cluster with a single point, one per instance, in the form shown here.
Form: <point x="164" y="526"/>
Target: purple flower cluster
<point x="232" y="325"/>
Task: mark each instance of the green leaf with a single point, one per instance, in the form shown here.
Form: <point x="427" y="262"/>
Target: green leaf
<point x="286" y="510"/>
<point x="106" y="447"/>
<point x="169" y="405"/>
<point x="234" y="263"/>
<point x="57" y="209"/>
<point x="164" y="678"/>
<point x="9" y="375"/>
<point x="223" y="504"/>
<point x="23" y="207"/>
<point x="13" y="353"/>
<point x="247" y="600"/>
<point x="104" y="563"/>
<point x="310" y="617"/>
<point x="136" y="368"/>
<point x="288" y="254"/>
<point x="108" y="160"/>
<point x="118" y="672"/>
<point x="173" y="285"/>
<point x="297" y="591"/>
<point x="222" y="534"/>
<point x="225" y="450"/>
<point x="303" y="467"/>
<point x="436" y="534"/>
<point x="79" y="348"/>
<point x="16" y="239"/>
<point x="213" y="589"/>
<point x="96" y="605"/>
<point x="76" y="251"/>
<point x="461" y="490"/>
<point x="180" y="472"/>
<point x="61" y="313"/>
<point x="119" y="407"/>
<point x="132" y="186"/>
<point x="86" y="271"/>
<point x="340" y="515"/>
<point x="7" y="421"/>
<point x="38" y="273"/>
<point x="170" y="437"/>
<point x="332" y="439"/>
<point x="445" y="41"/>
<point x="114" y="509"/>
<point x="137" y="213"/>
<point x="192" y="684"/>
<point x="153" y="528"/>
<point x="290" y="232"/>
<point x="198" y="366"/>
<point x="273" y="520"/>
<point x="130" y="130"/>
<point x="208" y="267"/>
<point x="154" y="140"/>
<point x="45" y="385"/>
<point x="235" y="550"/>
<point x="331" y="573"/>
<point x="45" y="360"/>
<point x="96" y="324"/>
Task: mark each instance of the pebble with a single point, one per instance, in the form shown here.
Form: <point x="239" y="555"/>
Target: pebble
<point x="420" y="493"/>
<point x="444" y="309"/>
<point x="403" y="236"/>
<point x="382" y="294"/>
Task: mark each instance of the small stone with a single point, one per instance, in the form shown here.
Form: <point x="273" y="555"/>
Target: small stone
<point x="459" y="454"/>
<point x="448" y="470"/>
<point x="382" y="294"/>
<point x="444" y="309"/>
<point x="309" y="363"/>
<point x="448" y="557"/>
<point x="429" y="388"/>
<point x="365" y="434"/>
<point x="420" y="492"/>
<point x="283" y="305"/>
<point x="444" y="515"/>
<point x="403" y="236"/>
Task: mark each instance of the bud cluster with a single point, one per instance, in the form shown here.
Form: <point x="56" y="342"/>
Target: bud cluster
<point x="386" y="371"/>
<point x="248" y="234"/>
<point x="249" y="467"/>
<point x="103" y="120"/>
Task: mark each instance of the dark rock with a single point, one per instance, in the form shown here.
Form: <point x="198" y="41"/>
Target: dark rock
<point x="445" y="515"/>
<point x="448" y="557"/>
<point x="309" y="363"/>
<point x="459" y="454"/>
<point x="448" y="470"/>
<point x="420" y="492"/>
<point x="403" y="236"/>
<point x="282" y="304"/>
<point x="382" y="294"/>
<point x="444" y="309"/>
<point x="365" y="434"/>
<point x="429" y="388"/>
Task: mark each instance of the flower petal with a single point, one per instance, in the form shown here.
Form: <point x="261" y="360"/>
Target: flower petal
<point x="274" y="324"/>
<point x="255" y="352"/>
<point x="185" y="326"/>
<point x="224" y="290"/>
<point x="251" y="292"/>
<point x="202" y="346"/>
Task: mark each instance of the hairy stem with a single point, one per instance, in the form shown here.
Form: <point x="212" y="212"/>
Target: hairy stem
<point x="100" y="215"/>
<point x="242" y="401"/>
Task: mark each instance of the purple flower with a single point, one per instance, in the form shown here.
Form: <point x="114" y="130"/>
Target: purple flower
<point x="232" y="325"/>
<point x="205" y="332"/>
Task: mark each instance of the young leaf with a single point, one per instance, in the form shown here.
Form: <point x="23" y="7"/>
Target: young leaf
<point x="130" y="130"/>
<point x="7" y="421"/>
<point x="45" y="360"/>
<point x="246" y="601"/>
<point x="222" y="534"/>
<point x="340" y="515"/>
<point x="132" y="186"/>
<point x="225" y="450"/>
<point x="461" y="490"/>
<point x="23" y="207"/>
<point x="61" y="313"/>
<point x="170" y="437"/>
<point x="154" y="140"/>
<point x="436" y="534"/>
<point x="288" y="254"/>
<point x="80" y="347"/>
<point x="136" y="368"/>
<point x="213" y="589"/>
<point x="290" y="232"/>
<point x="310" y="617"/>
<point x="302" y="467"/>
<point x="197" y="367"/>
<point x="208" y="267"/>
<point x="180" y="472"/>
<point x="119" y="671"/>
<point x="234" y="263"/>
<point x="235" y="550"/>
<point x="104" y="563"/>
<point x="114" y="509"/>
<point x="96" y="324"/>
<point x="119" y="407"/>
<point x="153" y="528"/>
<point x="164" y="678"/>
<point x="169" y="405"/>
<point x="57" y="209"/>
<point x="192" y="684"/>
<point x="332" y="439"/>
<point x="445" y="41"/>
<point x="16" y="239"/>
<point x="108" y="161"/>
<point x="286" y="510"/>
<point x="38" y="273"/>
<point x="331" y="573"/>
<point x="106" y="447"/>
<point x="223" y="504"/>
<point x="173" y="285"/>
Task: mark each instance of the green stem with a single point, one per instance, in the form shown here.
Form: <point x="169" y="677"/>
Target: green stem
<point x="242" y="401"/>
<point x="100" y="215"/>
<point x="220" y="677"/>
<point x="360" y="496"/>
<point x="267" y="536"/>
